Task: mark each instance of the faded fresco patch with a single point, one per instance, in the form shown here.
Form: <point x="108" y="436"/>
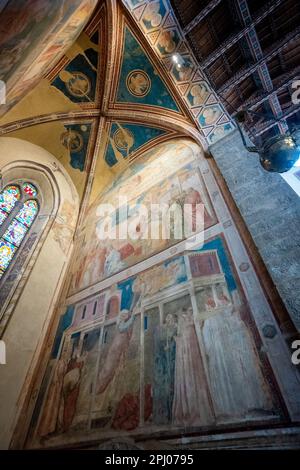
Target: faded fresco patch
<point x="50" y="25"/>
<point x="190" y="322"/>
<point x="166" y="174"/>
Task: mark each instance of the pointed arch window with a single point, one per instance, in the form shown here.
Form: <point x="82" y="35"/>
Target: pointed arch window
<point x="8" y="199"/>
<point x="19" y="208"/>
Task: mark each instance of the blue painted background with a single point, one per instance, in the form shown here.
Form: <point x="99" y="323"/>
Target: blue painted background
<point x="135" y="59"/>
<point x="141" y="134"/>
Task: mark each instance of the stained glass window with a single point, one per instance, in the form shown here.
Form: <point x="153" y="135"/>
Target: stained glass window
<point x="15" y="220"/>
<point x="29" y="189"/>
<point x="7" y="251"/>
<point x="8" y="199"/>
<point x="28" y="212"/>
<point x="15" y="232"/>
<point x="3" y="216"/>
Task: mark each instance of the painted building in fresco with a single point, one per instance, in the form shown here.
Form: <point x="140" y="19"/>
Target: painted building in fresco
<point x="173" y="341"/>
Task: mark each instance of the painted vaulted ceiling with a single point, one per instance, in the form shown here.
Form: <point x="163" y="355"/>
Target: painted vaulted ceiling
<point x="33" y="35"/>
<point x="113" y="94"/>
<point x="163" y="33"/>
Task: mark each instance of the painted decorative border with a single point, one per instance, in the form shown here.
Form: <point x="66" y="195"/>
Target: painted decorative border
<point x="166" y="39"/>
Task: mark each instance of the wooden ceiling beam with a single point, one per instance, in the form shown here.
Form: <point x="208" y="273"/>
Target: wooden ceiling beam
<point x="265" y="126"/>
<point x="263" y="70"/>
<point x="258" y="98"/>
<point x="200" y="17"/>
<point x="262" y="14"/>
<point x="249" y="70"/>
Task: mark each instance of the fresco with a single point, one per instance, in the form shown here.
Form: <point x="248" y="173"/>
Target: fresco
<point x="63" y="227"/>
<point x="192" y="341"/>
<point x="183" y="72"/>
<point x="220" y="132"/>
<point x="167" y="173"/>
<point x="153" y="15"/>
<point x="198" y="94"/>
<point x="180" y="393"/>
<point x="157" y="21"/>
<point x="33" y="36"/>
<point x="125" y="139"/>
<point x="168" y="41"/>
<point x="139" y="82"/>
<point x="209" y="115"/>
<point x="76" y="140"/>
<point x="78" y="80"/>
<point x="118" y="380"/>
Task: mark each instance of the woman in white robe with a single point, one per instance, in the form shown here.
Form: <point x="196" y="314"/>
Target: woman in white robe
<point x="191" y="405"/>
<point x="238" y="386"/>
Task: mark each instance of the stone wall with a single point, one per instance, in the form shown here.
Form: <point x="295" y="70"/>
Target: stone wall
<point x="271" y="210"/>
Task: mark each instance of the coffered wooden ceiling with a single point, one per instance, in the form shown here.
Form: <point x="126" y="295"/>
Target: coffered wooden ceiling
<point x="249" y="51"/>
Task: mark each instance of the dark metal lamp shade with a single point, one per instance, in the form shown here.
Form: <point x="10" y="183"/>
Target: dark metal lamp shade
<point x="279" y="154"/>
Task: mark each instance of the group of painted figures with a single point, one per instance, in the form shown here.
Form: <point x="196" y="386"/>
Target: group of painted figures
<point x="198" y="377"/>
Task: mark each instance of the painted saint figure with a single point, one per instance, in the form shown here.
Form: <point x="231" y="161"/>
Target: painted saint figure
<point x="71" y="387"/>
<point x="199" y="94"/>
<point x="117" y="350"/>
<point x="237" y="384"/>
<point x="89" y="358"/>
<point x="165" y="352"/>
<point x="194" y="198"/>
<point x="49" y="416"/>
<point x="113" y="262"/>
<point x="191" y="404"/>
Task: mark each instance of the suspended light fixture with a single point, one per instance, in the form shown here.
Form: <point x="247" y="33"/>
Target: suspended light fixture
<point x="278" y="154"/>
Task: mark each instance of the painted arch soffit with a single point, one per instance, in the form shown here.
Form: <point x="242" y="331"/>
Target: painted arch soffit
<point x="138" y="82"/>
<point x="135" y="80"/>
<point x="157" y="22"/>
<point x="34" y="36"/>
<point x="79" y="75"/>
<point x="143" y="117"/>
<point x="84" y="80"/>
<point x="93" y="56"/>
<point x="97" y="77"/>
<point x="74" y="85"/>
<point x="126" y="141"/>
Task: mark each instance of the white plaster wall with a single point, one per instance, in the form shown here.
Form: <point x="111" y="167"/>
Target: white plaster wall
<point x="26" y="329"/>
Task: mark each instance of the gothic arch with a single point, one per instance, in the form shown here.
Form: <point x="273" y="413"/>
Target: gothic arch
<point x="25" y="316"/>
